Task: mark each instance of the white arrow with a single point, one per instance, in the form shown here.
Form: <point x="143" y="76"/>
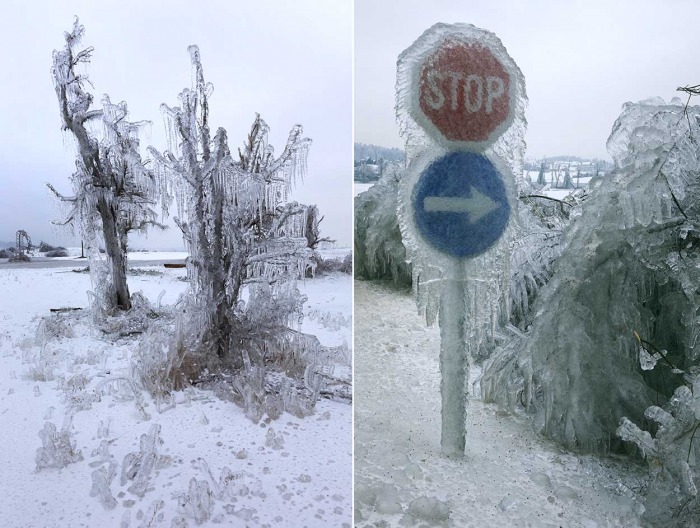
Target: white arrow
<point x="477" y="206"/>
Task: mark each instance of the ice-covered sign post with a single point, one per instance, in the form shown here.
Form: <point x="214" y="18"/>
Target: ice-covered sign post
<point x="460" y="106"/>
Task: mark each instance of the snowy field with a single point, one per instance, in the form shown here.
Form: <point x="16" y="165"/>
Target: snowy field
<point x="286" y="472"/>
<point x="509" y="476"/>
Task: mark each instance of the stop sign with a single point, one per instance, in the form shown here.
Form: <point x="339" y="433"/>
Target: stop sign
<point x="464" y="92"/>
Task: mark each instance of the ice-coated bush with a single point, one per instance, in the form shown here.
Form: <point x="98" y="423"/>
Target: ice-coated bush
<point x="379" y="252"/>
<point x="55" y="326"/>
<point x="628" y="274"/>
<point x="133" y="322"/>
<point x="230" y="485"/>
<point x="138" y="465"/>
<point x="673" y="455"/>
<point x="249" y="389"/>
<point x="197" y="503"/>
<point x="166" y="360"/>
<point x="101" y="480"/>
<point x="58" y="447"/>
<point x="272" y="307"/>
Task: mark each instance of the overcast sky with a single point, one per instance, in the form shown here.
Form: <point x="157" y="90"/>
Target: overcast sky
<point x="581" y="60"/>
<point x="289" y="61"/>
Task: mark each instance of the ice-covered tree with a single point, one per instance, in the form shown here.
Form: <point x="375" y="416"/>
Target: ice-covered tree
<point x="540" y="176"/>
<point x="313" y="228"/>
<point x="568" y="182"/>
<point x="236" y="221"/>
<point x="113" y="190"/>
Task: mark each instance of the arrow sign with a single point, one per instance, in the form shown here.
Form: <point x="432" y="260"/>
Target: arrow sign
<point x="460" y="205"/>
<point x="478" y="206"/>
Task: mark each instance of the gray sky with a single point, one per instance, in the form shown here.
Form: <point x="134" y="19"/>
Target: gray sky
<point x="289" y="61"/>
<point x="581" y="60"/>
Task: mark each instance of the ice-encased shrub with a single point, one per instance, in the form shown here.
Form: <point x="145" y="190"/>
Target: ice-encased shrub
<point x="58" y="447"/>
<point x="57" y="253"/>
<point x="332" y="265"/>
<point x="629" y="265"/>
<point x="169" y="358"/>
<point x="379" y="252"/>
<point x="197" y="503"/>
<point x="101" y="480"/>
<point x="138" y="465"/>
<point x="673" y="456"/>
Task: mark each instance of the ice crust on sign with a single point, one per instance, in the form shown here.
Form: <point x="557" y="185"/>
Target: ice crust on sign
<point x="485" y="278"/>
<point x="412" y="125"/>
<point x="488" y="274"/>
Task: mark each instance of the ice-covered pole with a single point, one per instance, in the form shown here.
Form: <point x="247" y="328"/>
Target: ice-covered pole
<point x="460" y="107"/>
<point x="454" y="363"/>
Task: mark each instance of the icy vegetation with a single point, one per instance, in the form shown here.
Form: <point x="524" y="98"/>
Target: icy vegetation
<point x="613" y="334"/>
<point x="241" y="233"/>
<point x="146" y="380"/>
<point x="113" y="189"/>
<point x="590" y="327"/>
<point x="379" y="251"/>
<point x="58" y="447"/>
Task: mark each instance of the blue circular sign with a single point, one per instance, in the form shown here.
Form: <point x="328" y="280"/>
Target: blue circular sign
<point x="460" y="205"/>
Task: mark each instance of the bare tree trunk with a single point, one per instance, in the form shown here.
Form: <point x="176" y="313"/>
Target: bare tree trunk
<point x="222" y="324"/>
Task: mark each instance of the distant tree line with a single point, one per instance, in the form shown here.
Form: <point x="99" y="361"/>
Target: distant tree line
<point x="371" y="160"/>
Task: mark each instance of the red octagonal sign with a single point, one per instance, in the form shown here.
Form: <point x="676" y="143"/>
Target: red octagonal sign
<point x="464" y="92"/>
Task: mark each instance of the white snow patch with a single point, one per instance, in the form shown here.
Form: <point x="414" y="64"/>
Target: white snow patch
<point x="200" y="432"/>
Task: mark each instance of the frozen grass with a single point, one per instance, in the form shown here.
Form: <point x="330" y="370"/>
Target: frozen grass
<point x="65" y="364"/>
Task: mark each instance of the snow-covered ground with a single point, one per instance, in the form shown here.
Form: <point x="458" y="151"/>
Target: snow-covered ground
<point x="509" y="477"/>
<point x="74" y="252"/>
<point x="304" y="479"/>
